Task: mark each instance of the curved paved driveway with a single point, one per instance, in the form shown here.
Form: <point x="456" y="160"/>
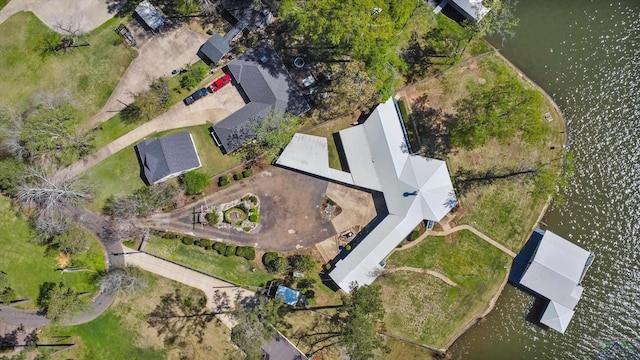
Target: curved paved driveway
<point x="86" y="15"/>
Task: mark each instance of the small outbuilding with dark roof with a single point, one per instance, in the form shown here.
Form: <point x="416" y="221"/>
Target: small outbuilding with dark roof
<point x="167" y="157"/>
<point x="267" y="87"/>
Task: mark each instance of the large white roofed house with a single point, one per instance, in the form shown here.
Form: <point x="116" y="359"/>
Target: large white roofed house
<point x="379" y="158"/>
<point x="555" y="271"/>
<point x="470" y="9"/>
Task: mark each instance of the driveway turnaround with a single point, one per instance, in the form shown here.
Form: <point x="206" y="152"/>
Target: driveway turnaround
<point x="85" y="15"/>
<point x="207" y="284"/>
<point x="290" y="216"/>
<point x="157" y="57"/>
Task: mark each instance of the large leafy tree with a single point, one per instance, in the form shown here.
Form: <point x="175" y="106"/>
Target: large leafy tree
<point x="351" y="89"/>
<point x="255" y="323"/>
<point x="74" y="239"/>
<point x="59" y="302"/>
<point x="7" y="294"/>
<point x="366" y="29"/>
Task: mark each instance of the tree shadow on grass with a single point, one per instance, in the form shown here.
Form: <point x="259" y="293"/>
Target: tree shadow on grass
<point x="430" y="127"/>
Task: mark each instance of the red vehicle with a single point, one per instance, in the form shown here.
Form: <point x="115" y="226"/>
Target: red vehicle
<point x="220" y="83"/>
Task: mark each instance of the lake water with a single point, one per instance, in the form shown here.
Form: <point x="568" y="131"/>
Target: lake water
<point x="586" y="55"/>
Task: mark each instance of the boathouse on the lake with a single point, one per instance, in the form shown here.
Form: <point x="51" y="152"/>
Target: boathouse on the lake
<point x="555" y="272"/>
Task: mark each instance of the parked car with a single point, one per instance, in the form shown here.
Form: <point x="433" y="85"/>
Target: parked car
<point x="188" y="100"/>
<point x="220" y="83"/>
<point x="195" y="96"/>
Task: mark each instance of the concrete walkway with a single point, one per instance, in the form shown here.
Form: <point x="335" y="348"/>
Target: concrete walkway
<point x="437" y="274"/>
<point x="84" y="15"/>
<point x="455" y="229"/>
<point x="188" y="277"/>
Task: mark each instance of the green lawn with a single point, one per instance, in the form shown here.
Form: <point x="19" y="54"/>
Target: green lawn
<point x="28" y="264"/>
<point x="423" y="308"/>
<point x="3" y="3"/>
<point x="89" y="73"/>
<point x="116" y="176"/>
<point x="232" y="268"/>
<point x="103" y="338"/>
<point x="119" y="174"/>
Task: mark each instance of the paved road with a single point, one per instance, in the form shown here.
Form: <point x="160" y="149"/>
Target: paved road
<point x="85" y="15"/>
<point x="188" y="277"/>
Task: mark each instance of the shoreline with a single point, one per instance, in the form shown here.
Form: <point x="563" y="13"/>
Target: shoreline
<point x="492" y="302"/>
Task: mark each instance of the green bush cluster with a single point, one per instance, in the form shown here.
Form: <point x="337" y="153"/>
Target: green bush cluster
<point x="224" y="180"/>
<point x="187" y="240"/>
<point x="275" y="263"/>
<point x="205" y="243"/>
<point x="220" y="247"/>
<point x="254" y="218"/>
<point x="247" y="172"/>
<point x="194" y="182"/>
<point x="247" y="252"/>
<point x="238" y="176"/>
<point x="414" y="235"/>
<point x="212" y="217"/>
<point x="230" y="251"/>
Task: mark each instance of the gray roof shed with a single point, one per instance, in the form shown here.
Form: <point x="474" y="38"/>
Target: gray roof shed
<point x="149" y="14"/>
<point x="167" y="157"/>
<point x="267" y="85"/>
<point x="215" y="48"/>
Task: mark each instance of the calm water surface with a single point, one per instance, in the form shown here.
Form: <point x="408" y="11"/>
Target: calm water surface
<point x="586" y="54"/>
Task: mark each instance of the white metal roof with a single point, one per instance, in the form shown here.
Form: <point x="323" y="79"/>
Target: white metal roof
<point x="472" y="8"/>
<point x="555" y="272"/>
<point x="414" y="188"/>
<point x="557" y="316"/>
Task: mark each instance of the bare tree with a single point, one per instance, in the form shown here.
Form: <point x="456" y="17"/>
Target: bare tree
<point x="50" y="193"/>
<point x="11" y="127"/>
<point x="208" y="7"/>
<point x="72" y="33"/>
<point x="121" y="280"/>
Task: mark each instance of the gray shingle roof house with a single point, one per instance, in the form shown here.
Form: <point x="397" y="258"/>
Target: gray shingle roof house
<point x="214" y="49"/>
<point x="149" y="14"/>
<point x="167" y="157"/>
<point x="555" y="272"/>
<point x="267" y="86"/>
<point x="281" y="349"/>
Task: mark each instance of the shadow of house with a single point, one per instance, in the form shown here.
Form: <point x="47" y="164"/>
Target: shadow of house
<point x="267" y="86"/>
<point x="149" y="16"/>
<point x="552" y="269"/>
<point x="164" y="158"/>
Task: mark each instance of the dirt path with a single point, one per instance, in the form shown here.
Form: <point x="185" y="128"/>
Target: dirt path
<point x="455" y="229"/>
<point x="85" y="15"/>
<point x="181" y="274"/>
<point x="439" y="275"/>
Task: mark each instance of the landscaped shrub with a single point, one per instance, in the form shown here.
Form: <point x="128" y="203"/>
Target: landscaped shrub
<point x="348" y="247"/>
<point x="231" y="250"/>
<point x="238" y="176"/>
<point x="254" y="218"/>
<point x="241" y="214"/>
<point x="169" y="236"/>
<point x="205" y="242"/>
<point x="195" y="181"/>
<point x="247" y="172"/>
<point x="188" y="81"/>
<point x="414" y="235"/>
<point x="254" y="200"/>
<point x="212" y="217"/>
<point x="247" y="252"/>
<point x="302" y="263"/>
<point x="220" y="247"/>
<point x="279" y="266"/>
<point x="199" y="71"/>
<point x="187" y="240"/>
<point x="327" y="266"/>
<point x="196" y="242"/>
<point x="269" y="257"/>
<point x="224" y="180"/>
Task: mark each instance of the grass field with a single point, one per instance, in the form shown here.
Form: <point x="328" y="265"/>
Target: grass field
<point x="28" y="265"/>
<point x="89" y="73"/>
<point x="123" y="333"/>
<point x="118" y="175"/>
<point x="425" y="309"/>
<point x="3" y="3"/>
<point x="232" y="268"/>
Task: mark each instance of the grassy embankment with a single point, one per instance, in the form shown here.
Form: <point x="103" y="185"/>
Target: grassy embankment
<point x="88" y="73"/>
<point x="122" y="332"/>
<point x="28" y="264"/>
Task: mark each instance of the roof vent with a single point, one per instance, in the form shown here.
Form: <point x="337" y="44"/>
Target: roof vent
<point x="263" y="59"/>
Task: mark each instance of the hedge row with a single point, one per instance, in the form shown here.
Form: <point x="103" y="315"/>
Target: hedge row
<point x="247" y="252"/>
<point x="225" y="180"/>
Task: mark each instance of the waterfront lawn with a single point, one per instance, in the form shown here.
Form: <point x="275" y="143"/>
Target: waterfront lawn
<point x="89" y="73"/>
<point x="122" y="332"/>
<point x="423" y="308"/>
<point x="28" y="265"/>
<point x="232" y="268"/>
